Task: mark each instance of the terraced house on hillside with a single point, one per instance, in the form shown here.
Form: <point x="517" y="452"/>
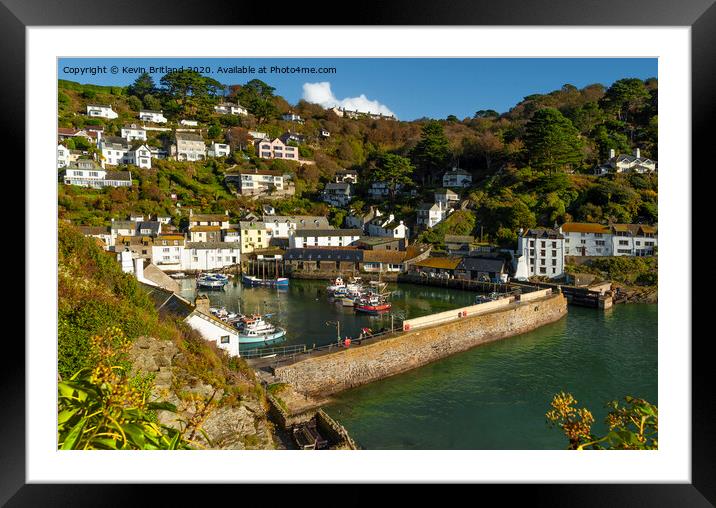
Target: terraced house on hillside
<point x="87" y="173"/>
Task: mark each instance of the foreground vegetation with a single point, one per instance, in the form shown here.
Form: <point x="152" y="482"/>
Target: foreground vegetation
<point x="101" y="312"/>
<point x="632" y="425"/>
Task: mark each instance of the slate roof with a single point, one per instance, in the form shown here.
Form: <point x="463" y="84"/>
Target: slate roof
<point x="167" y="302"/>
<point x="118" y="175"/>
<point x="489" y="265"/>
<point x="584" y="227"/>
<point x="327" y="232"/>
<point x="325" y="254"/>
<point x="212" y="245"/>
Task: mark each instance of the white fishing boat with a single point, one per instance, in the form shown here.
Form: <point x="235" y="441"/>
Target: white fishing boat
<point x="336" y="285"/>
<point x="212" y="280"/>
<point x="255" y="329"/>
<point x="177" y="275"/>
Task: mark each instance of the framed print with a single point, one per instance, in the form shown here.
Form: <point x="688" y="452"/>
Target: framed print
<point x="426" y="249"/>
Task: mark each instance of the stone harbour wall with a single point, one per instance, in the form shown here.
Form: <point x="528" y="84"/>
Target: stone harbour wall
<point x="348" y="368"/>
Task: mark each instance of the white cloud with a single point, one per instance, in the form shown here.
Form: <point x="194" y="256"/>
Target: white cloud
<point x="321" y="93"/>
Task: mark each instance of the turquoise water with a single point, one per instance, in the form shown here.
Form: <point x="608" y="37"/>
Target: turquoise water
<point x="495" y="396"/>
<point x="310" y="317"/>
<point x="491" y="397"/>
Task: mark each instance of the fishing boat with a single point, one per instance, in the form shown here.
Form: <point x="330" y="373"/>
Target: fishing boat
<point x="371" y="304"/>
<point x="251" y="280"/>
<point x="177" y="275"/>
<point x="212" y="281"/>
<point x="254" y="329"/>
<point x="336" y="285"/>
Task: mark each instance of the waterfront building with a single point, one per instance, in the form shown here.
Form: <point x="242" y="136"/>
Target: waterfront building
<point x="633" y="240"/>
<point x="437" y="267"/>
<point x="543" y="251"/>
<point x="306" y="238"/>
<point x="484" y="269"/>
<point x="280" y="226"/>
<point x="589" y="239"/>
<point x="197" y="316"/>
<point x="206" y="256"/>
<point x="446" y="198"/>
<point x="254" y="235"/>
<point x="459" y="244"/>
<point x="204" y="233"/>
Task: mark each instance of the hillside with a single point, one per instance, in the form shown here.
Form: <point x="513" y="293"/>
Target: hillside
<point x="531" y="165"/>
<point x="219" y="403"/>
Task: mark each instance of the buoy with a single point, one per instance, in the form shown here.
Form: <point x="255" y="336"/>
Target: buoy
<point x="347" y="342"/>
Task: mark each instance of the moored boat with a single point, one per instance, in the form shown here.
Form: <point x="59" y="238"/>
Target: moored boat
<point x="254" y="329"/>
<point x="251" y="280"/>
<point x="372" y="304"/>
<point x="212" y="281"/>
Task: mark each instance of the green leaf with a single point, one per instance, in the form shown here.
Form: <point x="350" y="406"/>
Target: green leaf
<point x="64" y="416"/>
<point x="74" y="435"/>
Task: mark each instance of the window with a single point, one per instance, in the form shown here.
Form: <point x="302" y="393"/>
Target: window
<point x="554" y="263"/>
<point x="554" y="245"/>
<point x="542" y="270"/>
<point x="542" y="253"/>
<point x="554" y="253"/>
<point x="582" y="242"/>
<point x="623" y="242"/>
<point x="599" y="242"/>
<point x="225" y="339"/>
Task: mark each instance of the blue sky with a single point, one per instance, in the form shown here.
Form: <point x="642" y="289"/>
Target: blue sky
<point x="408" y="87"/>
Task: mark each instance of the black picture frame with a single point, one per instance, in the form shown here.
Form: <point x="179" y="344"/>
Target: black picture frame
<point x="700" y="15"/>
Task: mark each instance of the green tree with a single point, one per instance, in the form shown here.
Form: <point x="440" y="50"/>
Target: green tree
<point x="191" y="90"/>
<point x="258" y="98"/>
<point x="134" y="103"/>
<point x="394" y="170"/>
<point x="625" y="97"/>
<point x="432" y="152"/>
<point x="552" y="141"/>
<point x="143" y="85"/>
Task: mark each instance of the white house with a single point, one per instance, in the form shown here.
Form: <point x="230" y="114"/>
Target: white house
<point x="337" y="194"/>
<point x="210" y="255"/>
<point x="346" y="176"/>
<point x="586" y="239"/>
<point x="219" y="150"/>
<point x="101" y="111"/>
<point x="360" y="220"/>
<point x="87" y="173"/>
<point x="543" y="252"/>
<point x="189" y="123"/>
<point x="325" y="133"/>
<point x="457" y="177"/>
<point x="147" y="115"/>
<point x="255" y="182"/>
<point x="633" y="240"/>
<point x="430" y="214"/>
<point x="305" y="238"/>
<point x="258" y="135"/>
<point x="280" y="226"/>
<point x="275" y="149"/>
<point x="626" y="164"/>
<point x="446" y="197"/>
<point x="118" y="151"/>
<point x="387" y="227"/>
<point x="197" y="316"/>
<point x="189" y="146"/>
<point x="292" y="117"/>
<point x="134" y="131"/>
<point x="230" y="108"/>
<point x="63" y="156"/>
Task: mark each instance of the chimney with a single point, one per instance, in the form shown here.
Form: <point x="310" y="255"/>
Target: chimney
<point x="636" y="153"/>
<point x="612" y="154"/>
<point x="202" y="304"/>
